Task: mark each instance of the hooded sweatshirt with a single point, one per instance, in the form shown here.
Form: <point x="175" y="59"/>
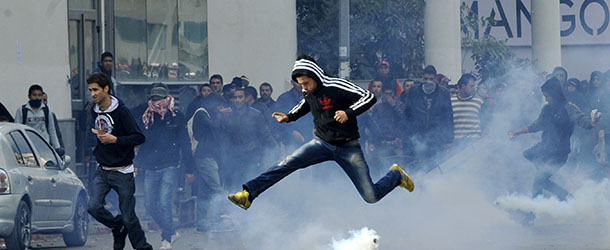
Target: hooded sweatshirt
<point x="118" y="121"/>
<point x="557" y="120"/>
<point x="331" y="95"/>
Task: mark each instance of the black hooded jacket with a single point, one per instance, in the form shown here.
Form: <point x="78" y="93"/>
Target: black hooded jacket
<point x="557" y="120"/>
<point x="331" y="95"/>
<point x="118" y="121"/>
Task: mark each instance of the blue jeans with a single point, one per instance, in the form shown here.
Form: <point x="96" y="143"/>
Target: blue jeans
<point x="124" y="185"/>
<point x="349" y="156"/>
<point x="159" y="186"/>
<point x="208" y="188"/>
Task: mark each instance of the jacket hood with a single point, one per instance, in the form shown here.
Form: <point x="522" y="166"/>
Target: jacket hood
<point x="553" y="88"/>
<point x="312" y="69"/>
<point x="115" y="104"/>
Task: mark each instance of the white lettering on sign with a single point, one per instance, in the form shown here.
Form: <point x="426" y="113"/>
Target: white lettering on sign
<point x="583" y="22"/>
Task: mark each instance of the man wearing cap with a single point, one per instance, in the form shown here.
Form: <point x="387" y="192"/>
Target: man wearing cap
<point x="334" y="103"/>
<point x="384" y="74"/>
<point x="166" y="149"/>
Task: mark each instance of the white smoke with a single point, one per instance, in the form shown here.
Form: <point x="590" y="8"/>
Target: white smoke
<point x="590" y="204"/>
<point x="363" y="239"/>
<point x="467" y="205"/>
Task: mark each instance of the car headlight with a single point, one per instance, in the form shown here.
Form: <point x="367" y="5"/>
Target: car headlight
<point x="5" y="186"/>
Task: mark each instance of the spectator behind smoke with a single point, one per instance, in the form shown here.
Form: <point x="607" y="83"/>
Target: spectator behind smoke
<point x="428" y="120"/>
<point x="561" y="74"/>
<point x="206" y="131"/>
<point x="266" y="90"/>
<point x="247" y="136"/>
<point x="216" y="83"/>
<point x="385" y="75"/>
<point x="204" y="91"/>
<point x="381" y="129"/>
<point x="295" y="133"/>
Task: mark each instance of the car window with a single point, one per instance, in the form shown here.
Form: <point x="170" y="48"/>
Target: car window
<point x="45" y="153"/>
<point x="25" y="149"/>
<point x="18" y="156"/>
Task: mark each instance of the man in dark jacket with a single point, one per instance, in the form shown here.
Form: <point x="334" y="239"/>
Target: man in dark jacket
<point x="167" y="148"/>
<point x="428" y="121"/>
<point x="206" y="127"/>
<point x="204" y="91"/>
<point x="106" y="66"/>
<point x="247" y="136"/>
<point x="266" y="91"/>
<point x="117" y="135"/>
<point x="381" y="126"/>
<point x="556" y="121"/>
<point x="296" y="133"/>
<point x="334" y="103"/>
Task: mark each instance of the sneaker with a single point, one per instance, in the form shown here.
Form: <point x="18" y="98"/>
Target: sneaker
<point x="242" y="199"/>
<point x="176" y="236"/>
<point x="119" y="235"/>
<point x="165" y="245"/>
<point x="407" y="181"/>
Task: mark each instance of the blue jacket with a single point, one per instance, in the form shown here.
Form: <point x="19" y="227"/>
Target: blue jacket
<point x="167" y="142"/>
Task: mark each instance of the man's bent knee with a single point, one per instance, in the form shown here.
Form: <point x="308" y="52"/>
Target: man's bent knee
<point x="370" y="198"/>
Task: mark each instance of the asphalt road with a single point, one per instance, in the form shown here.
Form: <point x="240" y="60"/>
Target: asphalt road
<point x="189" y="239"/>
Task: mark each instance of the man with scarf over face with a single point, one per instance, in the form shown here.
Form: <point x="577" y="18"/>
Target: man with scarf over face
<point x="166" y="148"/>
<point x="556" y="121"/>
<point x="38" y="116"/>
<point x="428" y="121"/>
<point x="334" y="103"/>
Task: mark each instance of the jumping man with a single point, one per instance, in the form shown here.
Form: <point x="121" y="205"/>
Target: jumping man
<point x="334" y="104"/>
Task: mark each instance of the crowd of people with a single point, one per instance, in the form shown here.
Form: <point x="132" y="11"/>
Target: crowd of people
<point x="228" y="132"/>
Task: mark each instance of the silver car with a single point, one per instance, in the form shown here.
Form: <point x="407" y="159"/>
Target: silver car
<point x="38" y="193"/>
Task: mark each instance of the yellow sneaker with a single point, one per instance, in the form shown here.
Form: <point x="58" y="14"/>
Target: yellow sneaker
<point x="407" y="181"/>
<point x="242" y="199"/>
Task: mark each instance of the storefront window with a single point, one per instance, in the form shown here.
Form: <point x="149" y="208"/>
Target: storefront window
<point x="161" y="40"/>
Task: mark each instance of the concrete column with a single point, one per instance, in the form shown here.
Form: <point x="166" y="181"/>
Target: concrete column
<point x="442" y="37"/>
<point x="253" y="38"/>
<point x="546" y="36"/>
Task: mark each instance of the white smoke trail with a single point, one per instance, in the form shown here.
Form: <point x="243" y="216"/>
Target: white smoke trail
<point x="363" y="239"/>
<point x="589" y="204"/>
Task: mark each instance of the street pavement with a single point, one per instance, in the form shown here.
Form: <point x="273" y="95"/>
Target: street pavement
<point x="189" y="239"/>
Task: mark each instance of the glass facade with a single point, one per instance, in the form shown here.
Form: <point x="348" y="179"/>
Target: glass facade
<point x="161" y="40"/>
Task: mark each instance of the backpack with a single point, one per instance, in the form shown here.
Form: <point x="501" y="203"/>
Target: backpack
<point x="24" y="115"/>
<point x="189" y="127"/>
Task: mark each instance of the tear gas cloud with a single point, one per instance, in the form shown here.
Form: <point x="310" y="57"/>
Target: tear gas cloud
<point x="470" y="205"/>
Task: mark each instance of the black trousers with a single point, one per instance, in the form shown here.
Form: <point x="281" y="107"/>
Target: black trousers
<point x="125" y="186"/>
<point x="547" y="164"/>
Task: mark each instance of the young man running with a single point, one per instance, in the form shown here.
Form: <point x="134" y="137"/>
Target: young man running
<point x="334" y="104"/>
<point x="117" y="135"/>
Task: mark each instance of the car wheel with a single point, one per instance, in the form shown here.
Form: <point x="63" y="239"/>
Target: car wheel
<point x="78" y="237"/>
<point x="21" y="237"/>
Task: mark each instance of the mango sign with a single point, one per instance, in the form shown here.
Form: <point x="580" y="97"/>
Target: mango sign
<point x="583" y="22"/>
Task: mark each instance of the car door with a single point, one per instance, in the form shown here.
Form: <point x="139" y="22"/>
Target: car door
<point x="60" y="189"/>
<point x="37" y="183"/>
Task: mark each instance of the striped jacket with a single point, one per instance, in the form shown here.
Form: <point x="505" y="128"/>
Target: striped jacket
<point x="332" y="95"/>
